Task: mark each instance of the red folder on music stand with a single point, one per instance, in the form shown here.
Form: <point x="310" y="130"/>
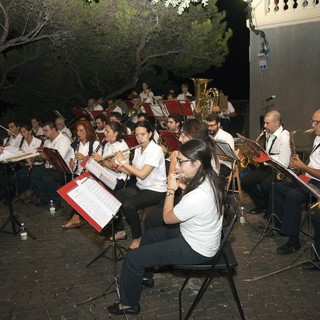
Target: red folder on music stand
<point x="79" y="113"/>
<point x="129" y="103"/>
<point x="100" y="135"/>
<point x="54" y="157"/>
<point x="170" y="139"/>
<point x="173" y="106"/>
<point x="131" y="141"/>
<point x="90" y="199"/>
<point x="186" y="108"/>
<point x="147" y="107"/>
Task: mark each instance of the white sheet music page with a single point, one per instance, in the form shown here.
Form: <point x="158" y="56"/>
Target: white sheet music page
<point x="96" y="201"/>
<point x="105" y="175"/>
<point x="9" y="152"/>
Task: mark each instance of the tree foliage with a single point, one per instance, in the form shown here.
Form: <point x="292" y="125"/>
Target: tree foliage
<point x="105" y="48"/>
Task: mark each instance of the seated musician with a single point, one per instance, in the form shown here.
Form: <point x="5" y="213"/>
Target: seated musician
<point x="185" y="94"/>
<point x="61" y="127"/>
<point x="44" y="179"/>
<point x="29" y="143"/>
<point x="288" y="198"/>
<point x="142" y="116"/>
<point x="191" y="129"/>
<point x="146" y="94"/>
<point x="36" y="128"/>
<point x="15" y="136"/>
<point x="217" y="133"/>
<point x="82" y="147"/>
<point x="113" y="107"/>
<point x="100" y="122"/>
<point x="257" y="183"/>
<point x="94" y="105"/>
<point x="116" y="116"/>
<point x="148" y="165"/>
<point x="195" y="241"/>
<point x="137" y="107"/>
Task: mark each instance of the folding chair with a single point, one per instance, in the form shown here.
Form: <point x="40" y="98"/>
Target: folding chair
<point x="224" y="260"/>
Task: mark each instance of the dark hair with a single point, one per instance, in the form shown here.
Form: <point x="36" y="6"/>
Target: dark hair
<point x="143" y="114"/>
<point x="91" y="135"/>
<point x="176" y="117"/>
<point x="172" y="94"/>
<point x="147" y="125"/>
<point x="117" y="127"/>
<point x="17" y="124"/>
<point x="101" y="117"/>
<point x="116" y="114"/>
<point x="196" y="129"/>
<point x="213" y="117"/>
<point x="50" y="124"/>
<point x="28" y="127"/>
<point x="198" y="150"/>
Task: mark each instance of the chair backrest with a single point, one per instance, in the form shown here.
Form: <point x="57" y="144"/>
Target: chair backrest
<point x="231" y="212"/>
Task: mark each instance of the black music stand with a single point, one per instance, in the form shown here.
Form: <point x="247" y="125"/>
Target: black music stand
<point x="11" y="217"/>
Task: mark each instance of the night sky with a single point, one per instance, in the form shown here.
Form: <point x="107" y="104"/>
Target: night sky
<point x="233" y="77"/>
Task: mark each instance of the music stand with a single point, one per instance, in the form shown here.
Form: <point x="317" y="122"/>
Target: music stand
<point x="170" y="139"/>
<point x="131" y="140"/>
<point x="11" y="217"/>
<point x="98" y="206"/>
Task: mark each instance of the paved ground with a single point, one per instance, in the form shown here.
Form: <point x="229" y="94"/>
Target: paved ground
<point x="46" y="278"/>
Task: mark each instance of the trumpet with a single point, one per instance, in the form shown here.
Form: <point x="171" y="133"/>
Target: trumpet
<point x="126" y="150"/>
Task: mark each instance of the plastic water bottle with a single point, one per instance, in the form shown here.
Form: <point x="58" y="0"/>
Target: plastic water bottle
<point x="52" y="208"/>
<point x="23" y="232"/>
<point x="242" y="218"/>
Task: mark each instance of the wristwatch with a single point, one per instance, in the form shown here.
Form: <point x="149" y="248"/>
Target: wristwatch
<point x="169" y="193"/>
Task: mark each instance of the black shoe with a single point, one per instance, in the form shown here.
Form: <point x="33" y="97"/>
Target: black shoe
<point x="275" y="233"/>
<point x="148" y="283"/>
<point x="309" y="266"/>
<point x="288" y="248"/>
<point x="255" y="211"/>
<point x="116" y="310"/>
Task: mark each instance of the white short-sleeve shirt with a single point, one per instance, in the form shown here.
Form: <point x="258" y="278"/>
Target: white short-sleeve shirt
<point x="200" y="221"/>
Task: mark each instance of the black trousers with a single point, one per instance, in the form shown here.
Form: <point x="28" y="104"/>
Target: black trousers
<point x="257" y="185"/>
<point x="134" y="199"/>
<point x="161" y="246"/>
<point x="316" y="226"/>
<point x="45" y="183"/>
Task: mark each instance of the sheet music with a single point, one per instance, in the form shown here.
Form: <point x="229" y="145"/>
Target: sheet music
<point x="105" y="175"/>
<point x="98" y="203"/>
<point x="9" y="152"/>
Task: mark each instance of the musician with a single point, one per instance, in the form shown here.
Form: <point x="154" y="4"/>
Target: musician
<point x="36" y="128"/>
<point x="44" y="179"/>
<point x="138" y="108"/>
<point x="112" y="107"/>
<point x="174" y="123"/>
<point x="196" y="241"/>
<point x="191" y="129"/>
<point x="146" y="95"/>
<point x="93" y="105"/>
<point x="61" y="127"/>
<point x="142" y="116"/>
<point x="100" y="121"/>
<point x="257" y="183"/>
<point x="14" y="138"/>
<point x="114" y="137"/>
<point x="116" y="116"/>
<point x="148" y="165"/>
<point x="29" y="143"/>
<point x="225" y="115"/>
<point x="185" y="94"/>
<point x="288" y="198"/>
<point x="217" y="133"/>
<point x="171" y="96"/>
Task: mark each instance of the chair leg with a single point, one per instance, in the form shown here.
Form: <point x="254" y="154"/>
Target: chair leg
<point x="198" y="297"/>
<point x="180" y="294"/>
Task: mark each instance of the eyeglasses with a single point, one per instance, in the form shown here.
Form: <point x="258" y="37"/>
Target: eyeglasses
<point x="182" y="161"/>
<point x="315" y="122"/>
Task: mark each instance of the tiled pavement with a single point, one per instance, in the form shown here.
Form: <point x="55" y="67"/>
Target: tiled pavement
<point x="46" y="278"/>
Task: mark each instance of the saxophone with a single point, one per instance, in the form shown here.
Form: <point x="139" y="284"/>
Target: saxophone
<point x="294" y="154"/>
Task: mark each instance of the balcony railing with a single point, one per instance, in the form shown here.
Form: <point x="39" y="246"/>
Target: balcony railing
<point x="274" y="13"/>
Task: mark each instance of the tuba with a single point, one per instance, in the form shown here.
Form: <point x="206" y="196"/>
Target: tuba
<point x="205" y="98"/>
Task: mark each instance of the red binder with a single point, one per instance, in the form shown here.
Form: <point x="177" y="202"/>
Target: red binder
<point x="170" y="139"/>
<point x="131" y="141"/>
<point x="77" y="195"/>
<point x="54" y="157"/>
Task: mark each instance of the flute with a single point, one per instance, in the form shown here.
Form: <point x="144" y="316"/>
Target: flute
<point x="126" y="150"/>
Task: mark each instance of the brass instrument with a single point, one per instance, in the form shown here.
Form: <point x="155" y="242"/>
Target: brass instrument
<point x="205" y="98"/>
<point x="293" y="149"/>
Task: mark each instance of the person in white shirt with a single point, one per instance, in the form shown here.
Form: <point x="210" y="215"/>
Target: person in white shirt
<point x="277" y="146"/>
<point x="146" y="94"/>
<point x="100" y="121"/>
<point x="28" y="144"/>
<point x="148" y="165"/>
<point x="185" y="94"/>
<point x="44" y="179"/>
<point x="15" y="136"/>
<point x="60" y="124"/>
<point x="217" y="133"/>
<point x="93" y="105"/>
<point x="113" y="107"/>
<point x="288" y="197"/>
<point x="142" y="116"/>
<point x="196" y="240"/>
<point x="36" y="128"/>
<point x="81" y="148"/>
<point x="225" y="115"/>
<point x="116" y="116"/>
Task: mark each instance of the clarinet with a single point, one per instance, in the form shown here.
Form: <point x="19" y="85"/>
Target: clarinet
<point x="77" y="162"/>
